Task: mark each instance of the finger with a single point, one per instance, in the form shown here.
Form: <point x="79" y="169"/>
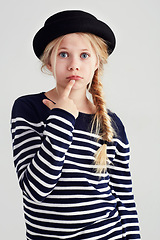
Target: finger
<point x="48" y="103"/>
<point x="68" y="88"/>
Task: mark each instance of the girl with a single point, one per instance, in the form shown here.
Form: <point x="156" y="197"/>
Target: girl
<point x="72" y="155"/>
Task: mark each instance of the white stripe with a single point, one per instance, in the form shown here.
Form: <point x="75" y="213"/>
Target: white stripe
<point x="89" y="188"/>
<point x="53" y="136"/>
<point x="128" y="208"/>
<point x="130" y="225"/>
<point x="23" y="160"/>
<point x="36" y="147"/>
<point x="90" y="166"/>
<point x="81" y="171"/>
<point x="60" y="129"/>
<point x="118" y="168"/>
<point x="51" y="229"/>
<point x="79" y="156"/>
<point x="40" y="180"/>
<point x="121" y="185"/>
<point x="86" y="133"/>
<point x="39" y="192"/>
<point x="51" y="176"/>
<point x="63" y="120"/>
<point x="114" y="229"/>
<point x="55" y="147"/>
<point x="121" y="143"/>
<point x="75" y="221"/>
<point x="121" y="161"/>
<point x="67" y="205"/>
<point x="129" y="216"/>
<point x="77" y="196"/>
<point x="49" y="153"/>
<point x="81" y="179"/>
<point x="111" y="156"/>
<point x="101" y="190"/>
<point x="44" y="184"/>
<point x="48" y="164"/>
<point x="120" y="177"/>
<point x="30" y="123"/>
<point x="122" y="154"/>
<point x="123" y="193"/>
<point x="82" y="139"/>
<point x="127" y="201"/>
<point x="76" y="213"/>
<point x="21" y="176"/>
<point x="132" y="233"/>
<point x="21" y="128"/>
<point x="29" y="193"/>
<point x="17" y="136"/>
<point x="77" y="147"/>
<point x="25" y="141"/>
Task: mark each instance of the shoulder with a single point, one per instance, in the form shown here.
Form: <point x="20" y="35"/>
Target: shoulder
<point x="29" y="98"/>
<point x="118" y="126"/>
<point x="28" y="106"/>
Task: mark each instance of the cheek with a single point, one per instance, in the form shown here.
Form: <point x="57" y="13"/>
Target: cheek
<point x="58" y="69"/>
<point x="60" y="72"/>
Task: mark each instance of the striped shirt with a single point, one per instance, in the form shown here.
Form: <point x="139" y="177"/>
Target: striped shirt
<point x="63" y="196"/>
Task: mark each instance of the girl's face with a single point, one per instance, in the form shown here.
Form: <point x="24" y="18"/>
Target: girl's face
<point x="76" y="59"/>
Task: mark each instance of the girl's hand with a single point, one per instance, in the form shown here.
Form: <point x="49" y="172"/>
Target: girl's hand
<point x="64" y="101"/>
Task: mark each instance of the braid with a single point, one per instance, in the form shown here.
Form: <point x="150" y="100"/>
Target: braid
<point x="103" y="122"/>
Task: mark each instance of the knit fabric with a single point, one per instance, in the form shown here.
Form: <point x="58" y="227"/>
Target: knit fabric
<point x="63" y="196"/>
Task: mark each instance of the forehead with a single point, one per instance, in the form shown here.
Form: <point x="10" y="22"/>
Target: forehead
<point x="75" y="40"/>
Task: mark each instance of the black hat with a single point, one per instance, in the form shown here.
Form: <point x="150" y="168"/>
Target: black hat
<point x="71" y="21"/>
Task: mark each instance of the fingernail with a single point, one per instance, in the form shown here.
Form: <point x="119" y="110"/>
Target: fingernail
<point x="72" y="81"/>
<point x="44" y="101"/>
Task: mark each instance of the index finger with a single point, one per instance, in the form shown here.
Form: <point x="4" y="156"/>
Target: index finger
<point x="68" y="88"/>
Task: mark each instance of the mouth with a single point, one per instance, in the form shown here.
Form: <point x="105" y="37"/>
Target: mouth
<point x="74" y="77"/>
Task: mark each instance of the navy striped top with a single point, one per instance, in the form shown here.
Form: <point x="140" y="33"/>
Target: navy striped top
<point x="63" y="196"/>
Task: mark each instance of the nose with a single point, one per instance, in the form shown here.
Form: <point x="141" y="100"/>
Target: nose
<point x="73" y="68"/>
<point x="73" y="65"/>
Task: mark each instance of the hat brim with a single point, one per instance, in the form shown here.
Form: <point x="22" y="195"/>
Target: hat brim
<point x="54" y="30"/>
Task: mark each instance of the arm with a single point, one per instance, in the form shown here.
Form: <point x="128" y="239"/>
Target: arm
<point x="39" y="157"/>
<point x="121" y="183"/>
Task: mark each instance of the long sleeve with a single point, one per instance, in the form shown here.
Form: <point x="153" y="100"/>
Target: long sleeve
<point x="121" y="183"/>
<point x="39" y="148"/>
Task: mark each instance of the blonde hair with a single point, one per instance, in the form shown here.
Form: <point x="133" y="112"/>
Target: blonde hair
<point x="45" y="58"/>
<point x="102" y="120"/>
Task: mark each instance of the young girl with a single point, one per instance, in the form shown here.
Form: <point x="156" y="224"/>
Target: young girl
<point x="72" y="155"/>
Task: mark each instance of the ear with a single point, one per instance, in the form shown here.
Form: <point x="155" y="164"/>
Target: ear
<point x="49" y="67"/>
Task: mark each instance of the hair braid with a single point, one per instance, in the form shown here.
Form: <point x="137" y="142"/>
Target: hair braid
<point x="103" y="122"/>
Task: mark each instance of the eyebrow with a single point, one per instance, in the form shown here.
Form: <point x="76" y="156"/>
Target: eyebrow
<point x="67" y="49"/>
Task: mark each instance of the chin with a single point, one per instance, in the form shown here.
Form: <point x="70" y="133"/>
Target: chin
<point x="78" y="86"/>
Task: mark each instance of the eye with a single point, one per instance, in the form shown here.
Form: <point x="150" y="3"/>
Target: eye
<point x="84" y="55"/>
<point x="63" y="54"/>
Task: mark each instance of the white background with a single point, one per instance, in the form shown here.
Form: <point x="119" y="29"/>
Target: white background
<point x="131" y="85"/>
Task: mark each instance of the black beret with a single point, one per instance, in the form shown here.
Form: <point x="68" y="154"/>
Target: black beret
<point x="71" y="21"/>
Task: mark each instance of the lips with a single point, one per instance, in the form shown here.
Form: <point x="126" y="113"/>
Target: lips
<point x="74" y="77"/>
